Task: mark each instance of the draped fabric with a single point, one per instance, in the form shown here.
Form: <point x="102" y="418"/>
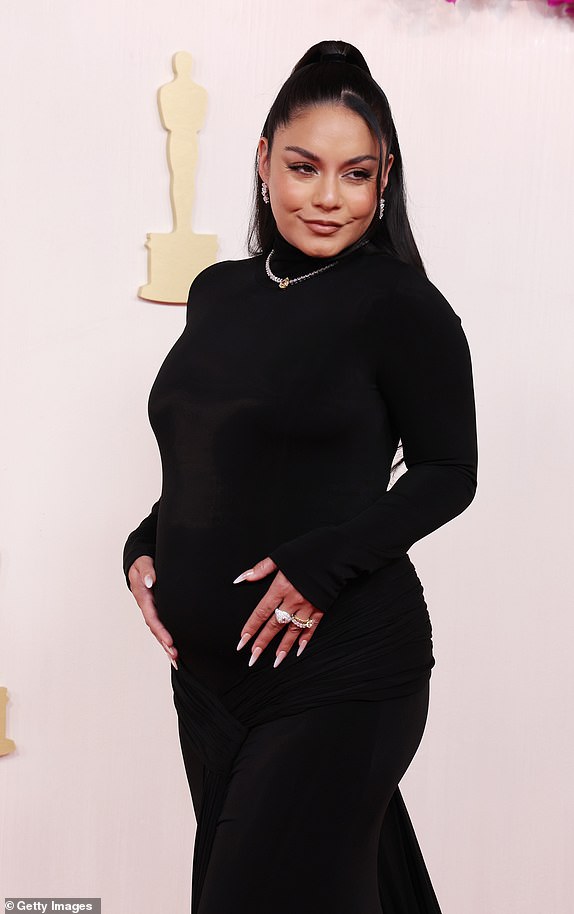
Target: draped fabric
<point x="391" y="656"/>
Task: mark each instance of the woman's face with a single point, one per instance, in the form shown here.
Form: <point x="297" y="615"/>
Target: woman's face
<point x="322" y="178"/>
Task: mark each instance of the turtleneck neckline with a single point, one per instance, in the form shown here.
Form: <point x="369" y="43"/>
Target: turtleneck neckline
<point x="288" y="257"/>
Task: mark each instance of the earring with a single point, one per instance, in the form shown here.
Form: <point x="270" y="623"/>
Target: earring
<point x="381" y="207"/>
<point x="264" y="192"/>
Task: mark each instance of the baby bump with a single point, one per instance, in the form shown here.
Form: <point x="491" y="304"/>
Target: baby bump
<point x="194" y="592"/>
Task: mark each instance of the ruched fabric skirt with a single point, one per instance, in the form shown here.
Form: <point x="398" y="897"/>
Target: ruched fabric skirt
<point x="294" y="772"/>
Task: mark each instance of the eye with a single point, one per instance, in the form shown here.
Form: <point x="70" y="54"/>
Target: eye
<point x="303" y="168"/>
<point x="359" y="174"/>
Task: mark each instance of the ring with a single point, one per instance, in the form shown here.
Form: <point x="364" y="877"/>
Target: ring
<point x="302" y="623"/>
<point x="282" y="616"/>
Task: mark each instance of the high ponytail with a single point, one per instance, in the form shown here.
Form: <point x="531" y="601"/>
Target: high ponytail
<point x="336" y="72"/>
<point x="338" y="51"/>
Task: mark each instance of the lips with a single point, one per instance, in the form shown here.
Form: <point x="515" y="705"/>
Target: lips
<point x="323" y="222"/>
<point x="322" y="227"/>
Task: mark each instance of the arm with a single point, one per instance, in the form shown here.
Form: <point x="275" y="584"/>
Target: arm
<point x="141" y="541"/>
<point x="423" y="372"/>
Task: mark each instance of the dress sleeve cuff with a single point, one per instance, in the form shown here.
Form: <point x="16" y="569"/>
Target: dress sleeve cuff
<point x="131" y="554"/>
<point x="320" y="562"/>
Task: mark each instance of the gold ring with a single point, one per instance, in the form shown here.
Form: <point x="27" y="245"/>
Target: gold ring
<point x="302" y="623"/>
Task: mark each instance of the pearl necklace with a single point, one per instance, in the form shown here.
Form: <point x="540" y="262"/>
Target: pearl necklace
<point x="286" y="281"/>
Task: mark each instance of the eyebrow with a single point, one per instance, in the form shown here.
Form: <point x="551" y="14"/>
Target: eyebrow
<point x="315" y="158"/>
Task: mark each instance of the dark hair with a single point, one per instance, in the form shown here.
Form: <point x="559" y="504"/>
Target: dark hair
<point x="336" y="72"/>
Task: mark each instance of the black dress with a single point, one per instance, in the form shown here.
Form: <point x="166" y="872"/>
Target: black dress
<point x="278" y="414"/>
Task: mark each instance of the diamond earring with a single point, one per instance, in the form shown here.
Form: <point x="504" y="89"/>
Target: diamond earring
<point x="381" y="207"/>
<point x="264" y="192"/>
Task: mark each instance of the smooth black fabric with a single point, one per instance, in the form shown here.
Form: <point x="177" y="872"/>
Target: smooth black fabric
<point x="307" y="797"/>
<point x="277" y="414"/>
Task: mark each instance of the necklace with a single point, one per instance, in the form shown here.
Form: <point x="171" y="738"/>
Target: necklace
<point x="286" y="281"/>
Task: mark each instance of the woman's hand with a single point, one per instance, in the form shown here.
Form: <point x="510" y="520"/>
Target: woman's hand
<point x="281" y="592"/>
<point x="142" y="577"/>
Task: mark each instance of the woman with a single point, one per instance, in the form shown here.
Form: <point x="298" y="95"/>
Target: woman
<point x="278" y="413"/>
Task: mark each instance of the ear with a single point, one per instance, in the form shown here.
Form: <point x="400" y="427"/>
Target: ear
<point x="385" y="176"/>
<point x="264" y="156"/>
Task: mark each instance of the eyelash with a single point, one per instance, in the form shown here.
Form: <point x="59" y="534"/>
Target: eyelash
<point x="360" y="175"/>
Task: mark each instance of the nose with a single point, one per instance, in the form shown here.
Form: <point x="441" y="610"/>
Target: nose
<point x="327" y="193"/>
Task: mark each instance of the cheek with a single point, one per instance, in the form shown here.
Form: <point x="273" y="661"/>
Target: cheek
<point x="362" y="202"/>
<point x="290" y="195"/>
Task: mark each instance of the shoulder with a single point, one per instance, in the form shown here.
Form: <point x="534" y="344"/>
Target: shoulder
<point x="219" y="286"/>
<point x="402" y="295"/>
<point x="221" y="273"/>
<point x="408" y="319"/>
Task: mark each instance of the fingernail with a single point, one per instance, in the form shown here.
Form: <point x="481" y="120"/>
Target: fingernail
<point x="302" y="646"/>
<point x="243" y="575"/>
<point x="174" y="664"/>
<point x="255" y="655"/>
<point x="244" y="639"/>
<point x="170" y="649"/>
<point x="280" y="656"/>
<point x="148" y="580"/>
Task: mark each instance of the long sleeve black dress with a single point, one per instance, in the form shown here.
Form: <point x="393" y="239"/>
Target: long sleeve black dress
<point x="278" y="414"/>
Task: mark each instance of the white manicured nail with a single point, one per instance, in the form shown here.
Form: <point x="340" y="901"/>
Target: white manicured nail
<point x="280" y="656"/>
<point x="255" y="655"/>
<point x="243" y="575"/>
<point x="244" y="639"/>
<point x="170" y="649"/>
<point x="302" y="646"/>
<point x="174" y="664"/>
<point x="148" y="580"/>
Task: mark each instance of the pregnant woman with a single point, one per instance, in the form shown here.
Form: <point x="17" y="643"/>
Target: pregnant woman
<point x="274" y="567"/>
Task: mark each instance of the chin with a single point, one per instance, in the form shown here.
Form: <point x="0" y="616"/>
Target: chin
<point x="321" y="247"/>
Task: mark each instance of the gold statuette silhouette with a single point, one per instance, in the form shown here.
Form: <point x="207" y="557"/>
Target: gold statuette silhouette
<point x="6" y="745"/>
<point x="175" y="258"/>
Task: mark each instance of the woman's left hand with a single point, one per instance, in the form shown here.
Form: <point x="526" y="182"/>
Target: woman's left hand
<point x="281" y="592"/>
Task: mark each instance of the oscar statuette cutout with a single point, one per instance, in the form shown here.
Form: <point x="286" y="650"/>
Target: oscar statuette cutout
<point x="175" y="258"/>
<point x="6" y="745"/>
